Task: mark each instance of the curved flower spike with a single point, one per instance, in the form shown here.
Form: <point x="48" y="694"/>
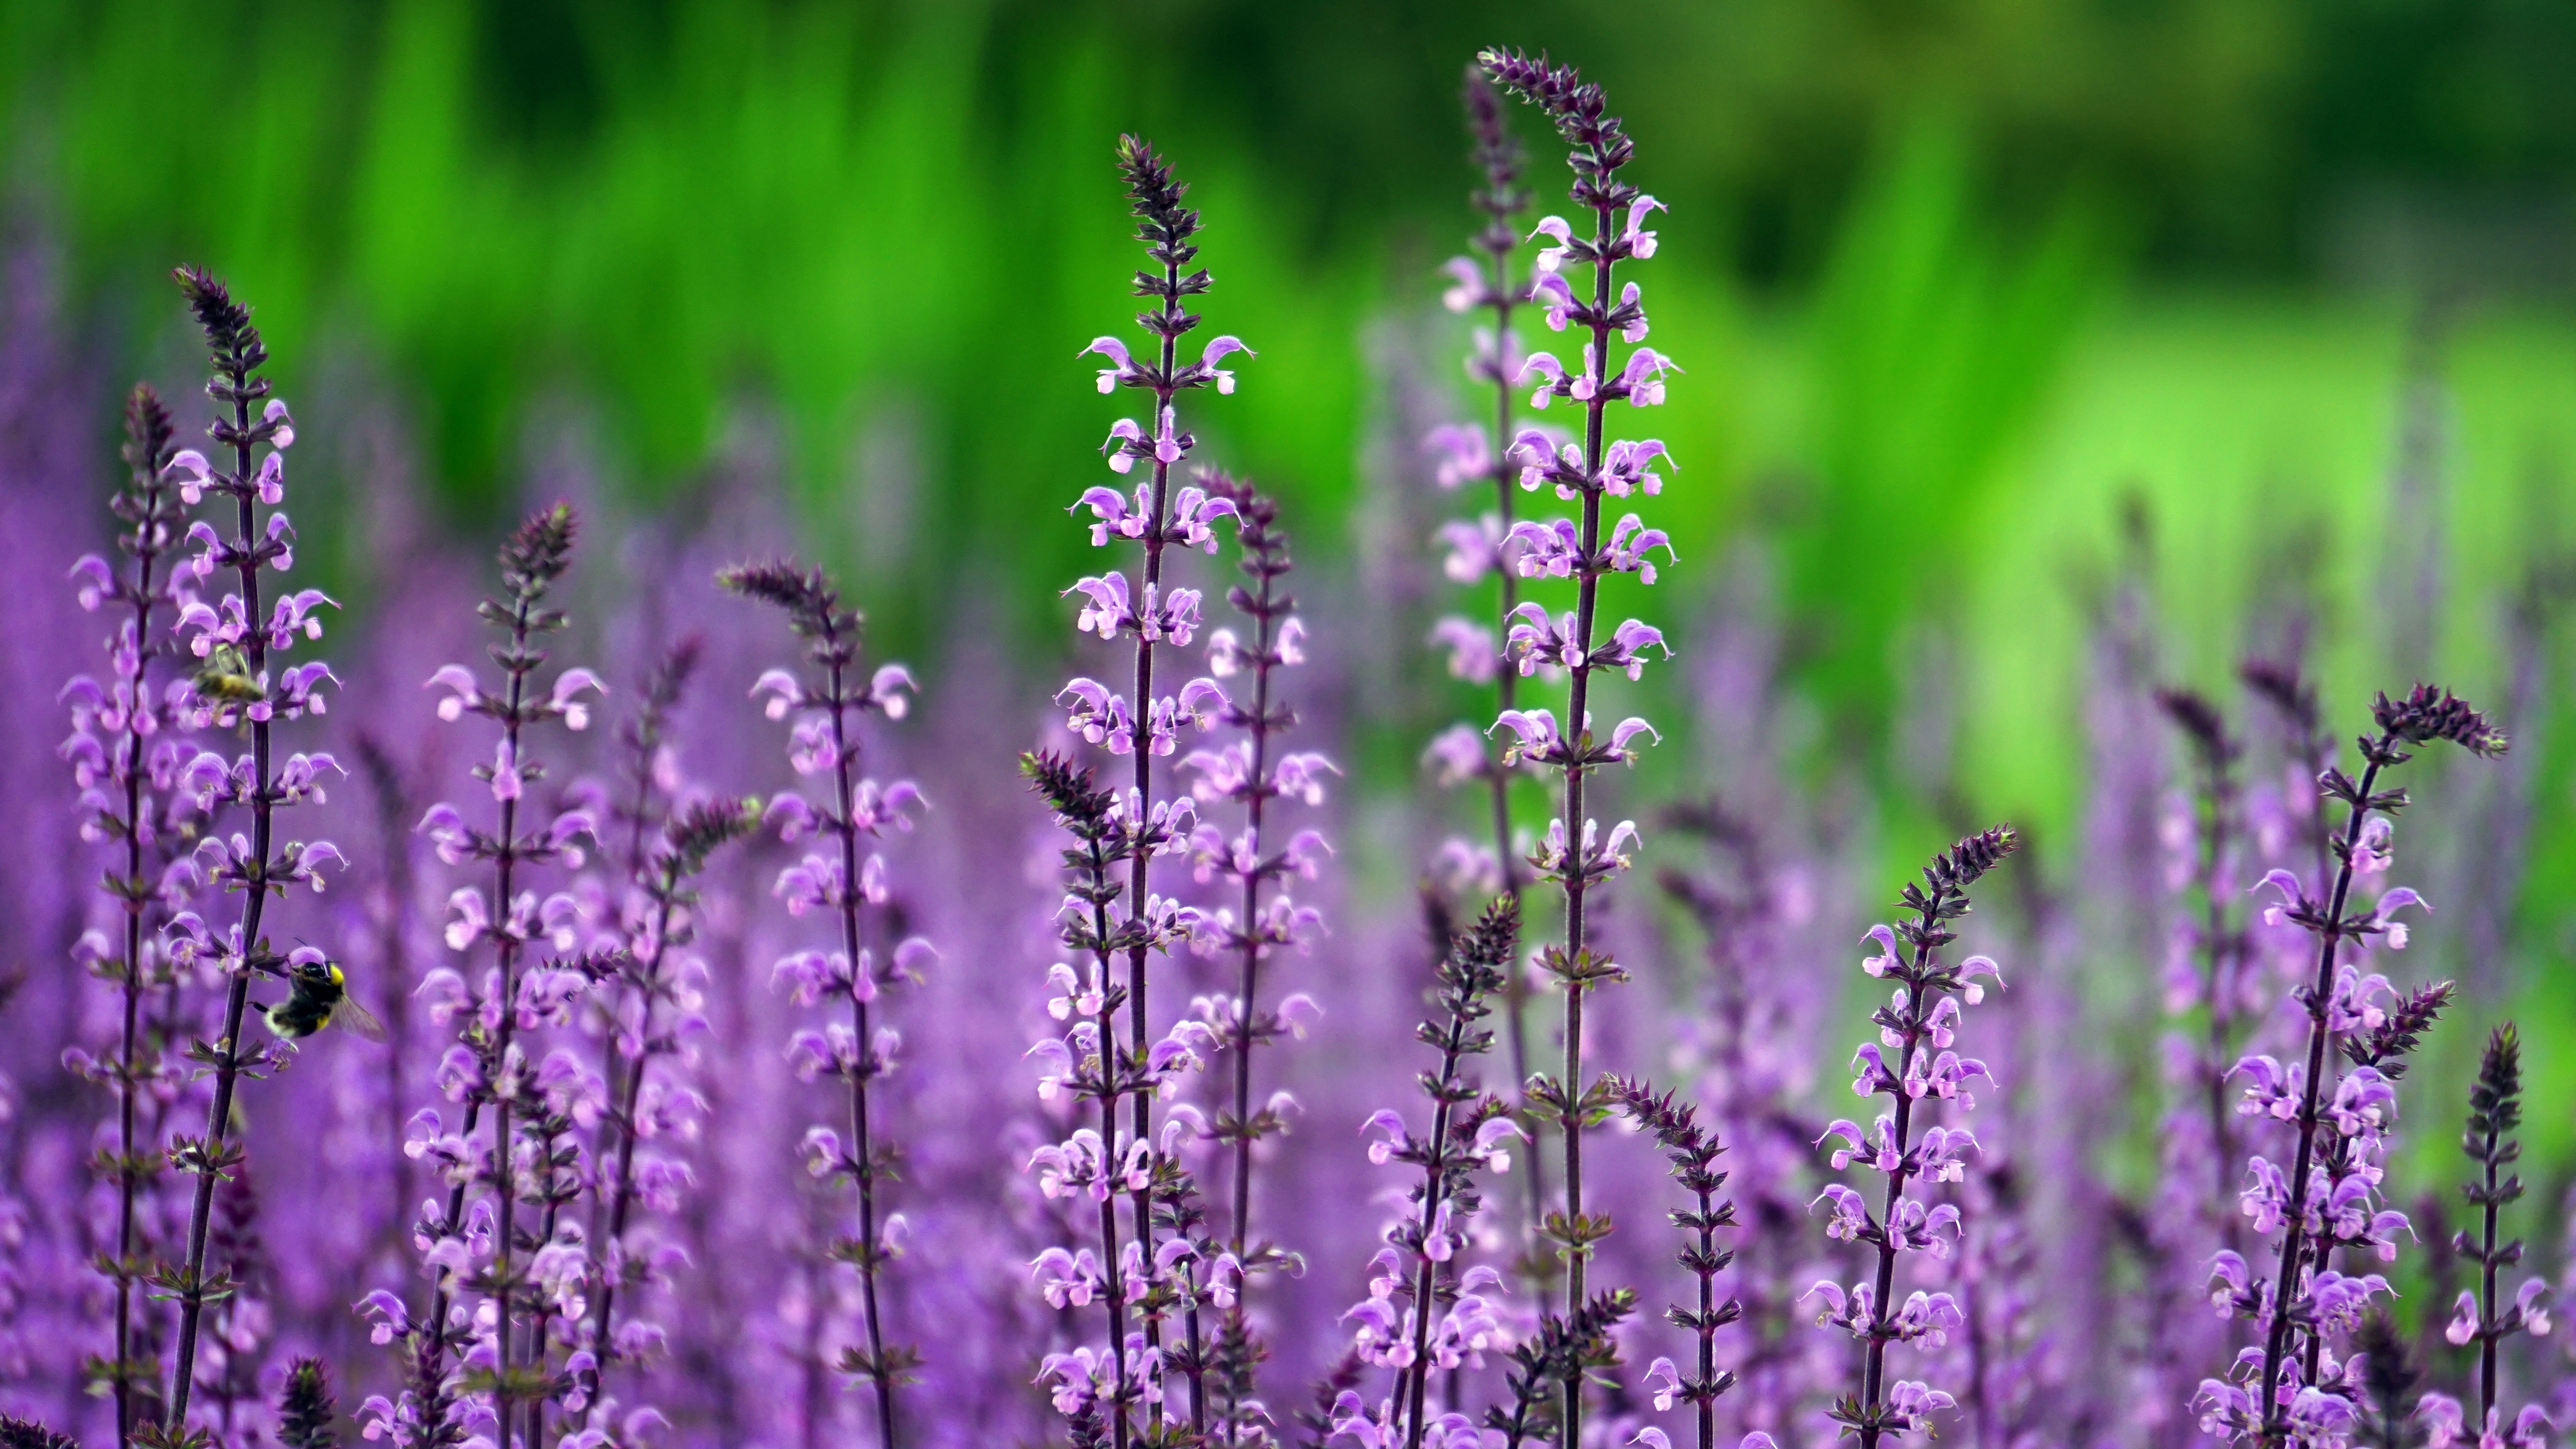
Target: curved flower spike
<point x="1975" y="966"/>
<point x="1553" y="293"/>
<point x="887" y="688"/>
<point x="1469" y="290"/>
<point x="1634" y="329"/>
<point x="195" y="475"/>
<point x="2293" y="897"/>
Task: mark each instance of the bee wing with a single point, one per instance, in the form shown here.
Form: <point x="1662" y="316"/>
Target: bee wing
<point x="358" y="1019"/>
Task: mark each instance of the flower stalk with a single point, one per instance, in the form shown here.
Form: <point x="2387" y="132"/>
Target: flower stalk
<point x="1692" y="1152"/>
<point x="1920" y="1024"/>
<point x="120" y="804"/>
<point x="1574" y="855"/>
<point x="234" y="642"/>
<point x="830" y="699"/>
<point x="2424" y="716"/>
<point x="1469" y="453"/>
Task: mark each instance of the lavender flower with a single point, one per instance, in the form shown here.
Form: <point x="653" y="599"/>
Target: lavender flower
<point x="1574" y="855"/>
<point x="234" y="638"/>
<point x="462" y="1368"/>
<point x="1470" y="1129"/>
<point x="824" y="742"/>
<point x="1476" y="548"/>
<point x="1249" y="773"/>
<point x="2329" y="1196"/>
<point x="2495" y="1111"/>
<point x="1693" y="1151"/>
<point x="126" y="781"/>
<point x="1920" y="1024"/>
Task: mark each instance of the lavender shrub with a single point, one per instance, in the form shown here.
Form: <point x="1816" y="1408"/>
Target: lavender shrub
<point x="1415" y="1279"/>
<point x="648" y="1013"/>
<point x="1692" y="1151"/>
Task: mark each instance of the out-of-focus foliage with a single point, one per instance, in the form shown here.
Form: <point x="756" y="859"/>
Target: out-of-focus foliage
<point x="883" y="230"/>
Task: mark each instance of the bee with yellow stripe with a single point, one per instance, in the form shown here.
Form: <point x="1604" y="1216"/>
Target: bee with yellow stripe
<point x="318" y="996"/>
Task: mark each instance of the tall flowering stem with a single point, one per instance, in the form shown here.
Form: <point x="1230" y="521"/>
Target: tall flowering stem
<point x="1574" y="855"/>
<point x="1469" y="453"/>
<point x="2217" y="942"/>
<point x="1693" y="1152"/>
<point x="487" y="1069"/>
<point x="650" y="1009"/>
<point x="1249" y="772"/>
<point x="828" y="701"/>
<point x="2495" y="1113"/>
<point x="2344" y="1009"/>
<point x="114" y="728"/>
<point x="1920" y="1024"/>
<point x="653" y="1003"/>
<point x="1449" y="1320"/>
<point x="233" y="641"/>
<point x="1143" y="608"/>
<point x="1088" y="1064"/>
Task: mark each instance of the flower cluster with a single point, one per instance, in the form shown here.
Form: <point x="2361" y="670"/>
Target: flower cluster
<point x="2328" y="1194"/>
<point x="828" y="701"/>
<point x="1422" y="1313"/>
<point x="1692" y="1151"/>
<point x="1920" y="1024"/>
<point x="2480" y="1316"/>
<point x="1252" y="773"/>
<point x="232" y="641"/>
<point x="644" y="1122"/>
<point x="129" y="751"/>
<point x="1472" y="453"/>
<point x="467" y="1372"/>
<point x="1596" y="468"/>
<point x="1162" y="1279"/>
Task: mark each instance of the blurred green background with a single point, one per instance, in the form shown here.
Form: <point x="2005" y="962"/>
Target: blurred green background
<point x="1961" y="284"/>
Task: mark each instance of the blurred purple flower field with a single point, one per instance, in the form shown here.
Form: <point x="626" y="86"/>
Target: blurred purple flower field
<point x="783" y="1044"/>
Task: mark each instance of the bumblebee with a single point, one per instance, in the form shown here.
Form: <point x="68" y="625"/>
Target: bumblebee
<point x="318" y="996"/>
<point x="225" y="678"/>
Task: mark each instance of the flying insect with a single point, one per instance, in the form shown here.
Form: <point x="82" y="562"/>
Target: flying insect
<point x="225" y="678"/>
<point x="318" y="996"/>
